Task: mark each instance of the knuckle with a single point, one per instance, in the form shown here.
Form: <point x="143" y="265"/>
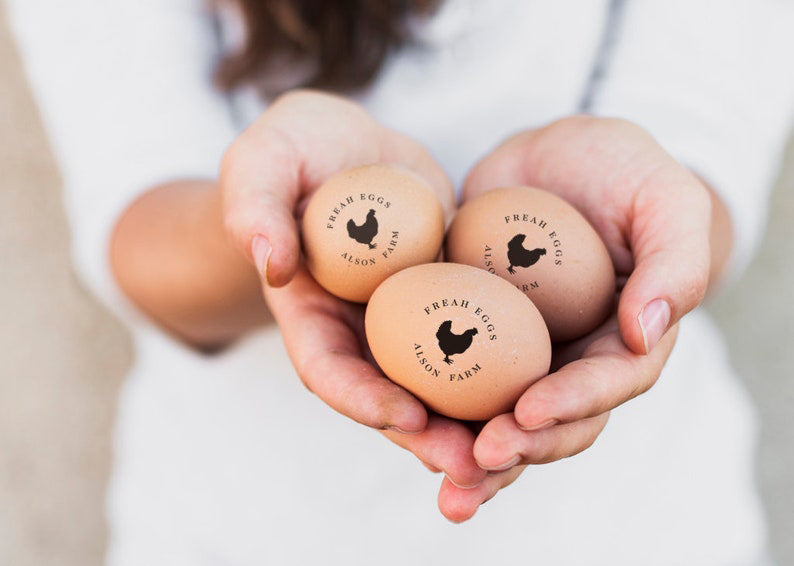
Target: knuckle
<point x="541" y="455"/>
<point x="234" y="224"/>
<point x="232" y="163"/>
<point x="586" y="443"/>
<point x="582" y="440"/>
<point x="294" y="96"/>
<point x="690" y="191"/>
<point x="563" y="128"/>
<point x="236" y="217"/>
<point x="625" y="126"/>
<point x="580" y="122"/>
<point x="638" y="388"/>
<point x="693" y="287"/>
<point x="543" y="452"/>
<point x="522" y="139"/>
<point x="229" y="159"/>
<point x="229" y="224"/>
<point x="313" y="101"/>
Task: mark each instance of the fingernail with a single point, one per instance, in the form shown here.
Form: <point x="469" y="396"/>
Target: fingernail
<point x="654" y="319"/>
<point x="261" y="249"/>
<point x="501" y="468"/>
<point x="461" y="486"/>
<point x="541" y="426"/>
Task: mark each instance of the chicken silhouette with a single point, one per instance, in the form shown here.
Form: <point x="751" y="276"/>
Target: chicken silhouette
<point x="363" y="234"/>
<point x="451" y="343"/>
<point x="519" y="256"/>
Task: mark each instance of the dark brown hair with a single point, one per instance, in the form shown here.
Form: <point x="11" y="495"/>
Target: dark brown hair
<point x="335" y="44"/>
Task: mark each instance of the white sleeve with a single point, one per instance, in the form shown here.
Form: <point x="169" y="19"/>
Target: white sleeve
<point x="713" y="81"/>
<point x="125" y="93"/>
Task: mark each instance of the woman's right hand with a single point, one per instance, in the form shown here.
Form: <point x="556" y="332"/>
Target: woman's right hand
<point x="267" y="175"/>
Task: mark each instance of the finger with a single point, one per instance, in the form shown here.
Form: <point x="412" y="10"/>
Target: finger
<point x="446" y="445"/>
<point x="317" y="331"/>
<point x="607" y="375"/>
<point x="459" y="505"/>
<point x="669" y="237"/>
<point x="261" y="187"/>
<point x="578" y="158"/>
<point x="656" y="226"/>
<point x="291" y="149"/>
<point x="503" y="444"/>
<point x="567" y="352"/>
<point x="302" y="139"/>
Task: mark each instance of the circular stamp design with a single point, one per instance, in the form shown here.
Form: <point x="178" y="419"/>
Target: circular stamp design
<point x="366" y="223"/>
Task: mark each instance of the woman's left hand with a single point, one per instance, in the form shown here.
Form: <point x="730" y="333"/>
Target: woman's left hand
<point x="654" y="216"/>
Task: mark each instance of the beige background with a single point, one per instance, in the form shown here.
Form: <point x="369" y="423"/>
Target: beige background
<point x="63" y="358"/>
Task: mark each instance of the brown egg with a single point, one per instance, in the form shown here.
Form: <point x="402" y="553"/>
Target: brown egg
<point x="543" y="246"/>
<point x="366" y="223"/>
<point x="465" y="342"/>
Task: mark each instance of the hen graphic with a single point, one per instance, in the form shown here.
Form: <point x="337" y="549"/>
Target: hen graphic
<point x="519" y="256"/>
<point x="363" y="234"/>
<point x="451" y="343"/>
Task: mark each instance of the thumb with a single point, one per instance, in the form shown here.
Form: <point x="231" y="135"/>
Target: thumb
<point x="669" y="237"/>
<point x="261" y="186"/>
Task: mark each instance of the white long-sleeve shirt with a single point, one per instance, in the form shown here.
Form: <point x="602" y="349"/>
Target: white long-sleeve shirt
<point x="227" y="460"/>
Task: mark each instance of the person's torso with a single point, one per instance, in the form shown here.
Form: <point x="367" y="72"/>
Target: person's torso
<point x="230" y="459"/>
<point x="477" y="72"/>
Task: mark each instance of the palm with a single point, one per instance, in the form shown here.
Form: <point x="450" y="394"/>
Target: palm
<point x="267" y="175"/>
<point x="637" y="197"/>
<point x="326" y="343"/>
<point x="328" y="346"/>
<point x="643" y="204"/>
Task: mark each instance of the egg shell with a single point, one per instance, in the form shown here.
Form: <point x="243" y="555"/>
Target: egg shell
<point x="425" y="314"/>
<point x="571" y="281"/>
<point x="365" y="223"/>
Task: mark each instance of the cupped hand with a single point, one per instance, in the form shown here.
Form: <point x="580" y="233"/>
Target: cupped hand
<point x="654" y="216"/>
<point x="267" y="175"/>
